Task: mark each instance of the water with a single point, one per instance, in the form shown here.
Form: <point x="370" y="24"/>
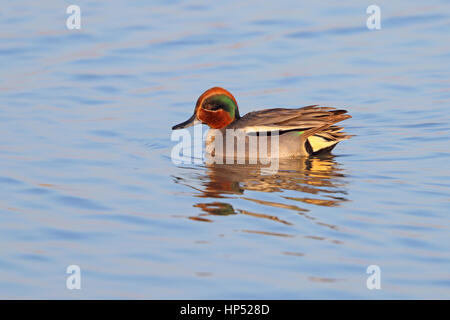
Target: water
<point x="86" y="176"/>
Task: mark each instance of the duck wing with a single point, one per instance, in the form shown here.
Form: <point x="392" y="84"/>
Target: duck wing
<point x="318" y="132"/>
<point x="283" y="119"/>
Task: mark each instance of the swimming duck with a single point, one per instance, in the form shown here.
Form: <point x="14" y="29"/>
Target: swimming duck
<point x="302" y="131"/>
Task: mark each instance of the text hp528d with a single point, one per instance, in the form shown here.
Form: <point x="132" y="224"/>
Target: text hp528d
<point x="246" y="309"/>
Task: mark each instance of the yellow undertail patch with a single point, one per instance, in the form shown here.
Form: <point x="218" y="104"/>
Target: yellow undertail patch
<point x="319" y="143"/>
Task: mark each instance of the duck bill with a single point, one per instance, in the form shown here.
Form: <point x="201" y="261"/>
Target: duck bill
<point x="188" y="123"/>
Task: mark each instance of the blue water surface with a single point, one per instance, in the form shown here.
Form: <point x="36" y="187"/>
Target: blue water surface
<point x="86" y="175"/>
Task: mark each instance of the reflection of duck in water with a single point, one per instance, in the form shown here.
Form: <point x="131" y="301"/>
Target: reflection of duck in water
<point x="318" y="181"/>
<point x="300" y="132"/>
<point x="309" y="175"/>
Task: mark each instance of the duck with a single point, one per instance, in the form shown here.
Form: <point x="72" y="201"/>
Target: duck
<point x="305" y="131"/>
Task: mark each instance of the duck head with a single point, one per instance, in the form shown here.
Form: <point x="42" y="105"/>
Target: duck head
<point x="216" y="107"/>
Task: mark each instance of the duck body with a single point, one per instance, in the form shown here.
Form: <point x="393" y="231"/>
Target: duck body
<point x="297" y="132"/>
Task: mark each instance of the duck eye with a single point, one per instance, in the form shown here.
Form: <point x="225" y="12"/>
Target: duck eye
<point x="211" y="106"/>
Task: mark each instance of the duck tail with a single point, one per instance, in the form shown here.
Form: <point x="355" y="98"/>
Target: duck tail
<point x="324" y="138"/>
